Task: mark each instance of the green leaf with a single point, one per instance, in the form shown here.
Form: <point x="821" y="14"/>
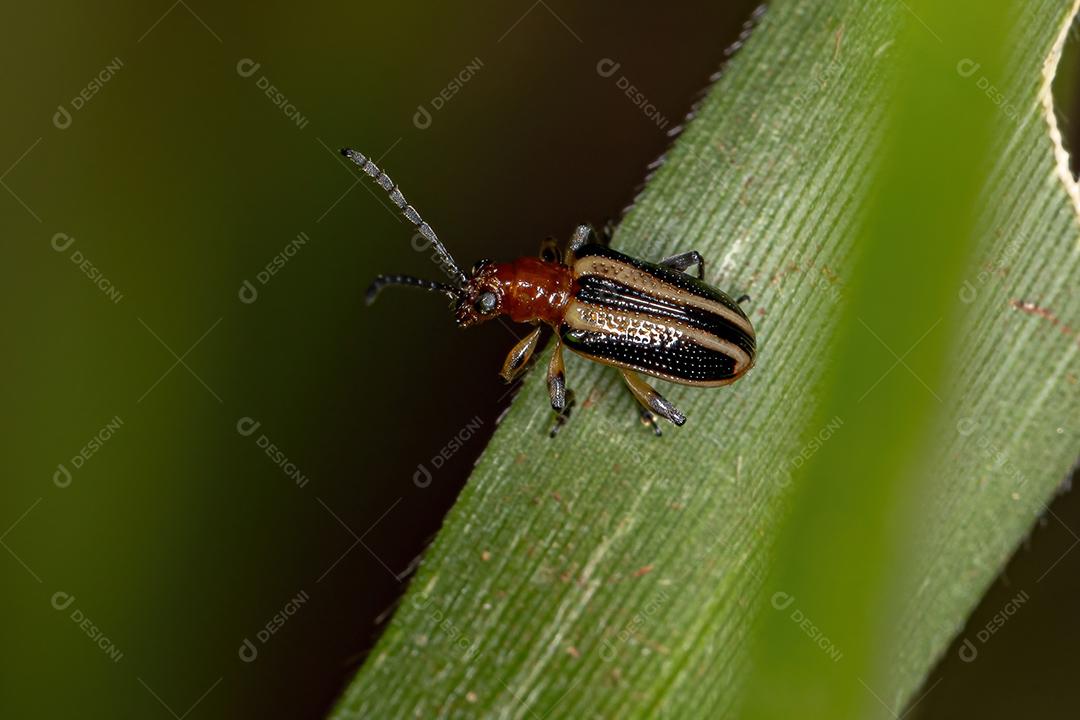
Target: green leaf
<point x="882" y="180"/>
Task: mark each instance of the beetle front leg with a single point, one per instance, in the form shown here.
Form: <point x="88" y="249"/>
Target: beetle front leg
<point x="562" y="400"/>
<point x="519" y="356"/>
<point x="652" y="400"/>
<point x="685" y="260"/>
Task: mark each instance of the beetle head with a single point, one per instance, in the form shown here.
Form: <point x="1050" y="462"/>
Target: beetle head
<point x="480" y="298"/>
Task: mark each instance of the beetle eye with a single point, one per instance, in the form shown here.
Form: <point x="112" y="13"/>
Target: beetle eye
<point x="486" y="303"/>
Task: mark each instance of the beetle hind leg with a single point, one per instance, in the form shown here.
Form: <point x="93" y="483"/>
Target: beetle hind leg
<point x="652" y="401"/>
<point x="562" y="399"/>
<point x="683" y="261"/>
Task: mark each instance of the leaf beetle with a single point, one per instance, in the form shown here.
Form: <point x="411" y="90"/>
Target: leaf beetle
<point x="640" y="317"/>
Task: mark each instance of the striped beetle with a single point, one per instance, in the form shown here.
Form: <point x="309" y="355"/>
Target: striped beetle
<point x="640" y="317"/>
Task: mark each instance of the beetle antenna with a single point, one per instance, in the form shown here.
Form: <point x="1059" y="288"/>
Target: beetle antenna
<point x="384" y="181"/>
<point x="383" y="280"/>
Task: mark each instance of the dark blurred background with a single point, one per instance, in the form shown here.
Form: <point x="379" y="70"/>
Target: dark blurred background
<point x="214" y="446"/>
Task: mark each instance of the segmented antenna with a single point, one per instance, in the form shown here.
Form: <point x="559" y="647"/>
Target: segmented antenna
<point x="383" y="280"/>
<point x="384" y="181"/>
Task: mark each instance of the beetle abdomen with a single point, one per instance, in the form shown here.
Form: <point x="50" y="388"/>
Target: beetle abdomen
<point x="642" y="316"/>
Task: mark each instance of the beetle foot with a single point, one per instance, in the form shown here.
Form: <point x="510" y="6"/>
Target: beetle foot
<point x="562" y="416"/>
<point x="663" y="407"/>
<point x="648" y="419"/>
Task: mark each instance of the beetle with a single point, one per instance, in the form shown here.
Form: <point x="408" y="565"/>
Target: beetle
<point x="642" y="318"/>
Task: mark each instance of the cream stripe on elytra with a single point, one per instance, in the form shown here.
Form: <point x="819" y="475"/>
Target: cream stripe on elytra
<point x="647" y="282"/>
<point x="589" y="318"/>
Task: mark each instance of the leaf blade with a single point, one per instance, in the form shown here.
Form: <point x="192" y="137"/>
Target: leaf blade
<point x="562" y="617"/>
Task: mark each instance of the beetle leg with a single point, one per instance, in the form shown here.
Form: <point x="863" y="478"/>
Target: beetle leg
<point x="648" y="419"/>
<point x="652" y="400"/>
<point x="685" y="260"/>
<point x="562" y="400"/>
<point x="519" y="356"/>
<point x="582" y="235"/>
<point x="607" y="232"/>
<point x="549" y="250"/>
<point x="742" y="298"/>
<point x="561" y="418"/>
<point x="556" y="379"/>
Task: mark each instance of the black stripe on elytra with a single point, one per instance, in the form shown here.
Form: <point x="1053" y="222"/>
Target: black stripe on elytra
<point x="684" y="359"/>
<point x="605" y="292"/>
<point x="668" y="275"/>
